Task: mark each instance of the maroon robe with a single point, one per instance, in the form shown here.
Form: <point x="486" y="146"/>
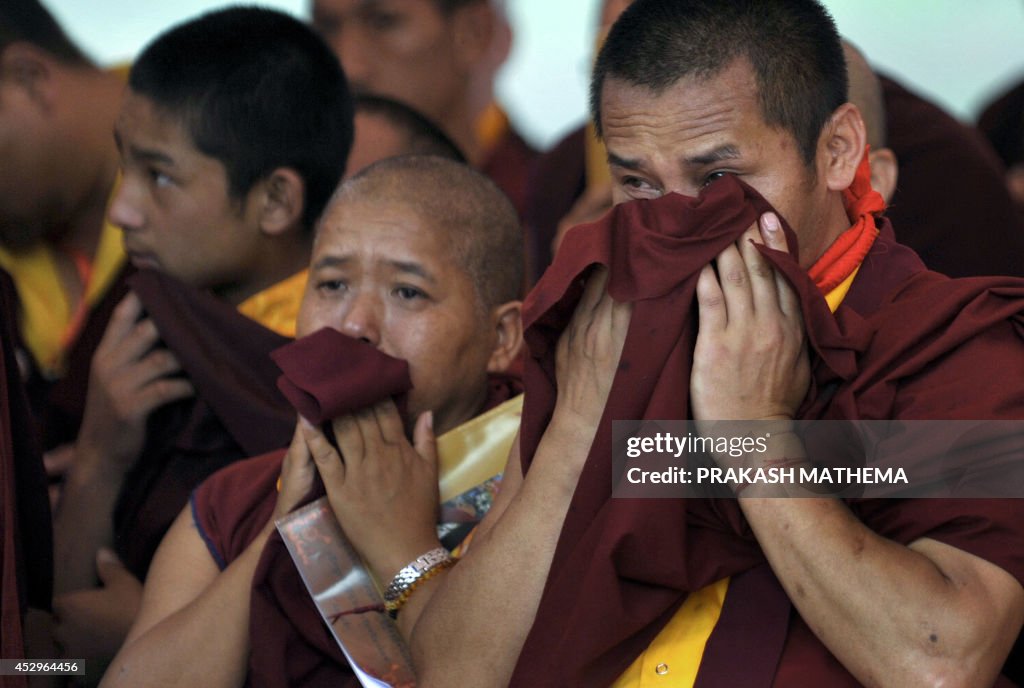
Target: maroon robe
<point x="906" y="343"/>
<point x="290" y="644"/>
<point x="951" y="204"/>
<point x="508" y="165"/>
<point x="237" y="410"/>
<point x="26" y="549"/>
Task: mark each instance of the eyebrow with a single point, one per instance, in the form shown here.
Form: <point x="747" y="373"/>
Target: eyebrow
<point x="143" y="154"/>
<point x="333" y="261"/>
<point x="727" y="152"/>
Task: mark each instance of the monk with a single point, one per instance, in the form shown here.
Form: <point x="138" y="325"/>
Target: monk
<point x="386" y="128"/>
<point x="947" y="176"/>
<point x="440" y="57"/>
<point x="421" y="258"/>
<point x="64" y="257"/>
<point x="221" y="186"/>
<point x="806" y="307"/>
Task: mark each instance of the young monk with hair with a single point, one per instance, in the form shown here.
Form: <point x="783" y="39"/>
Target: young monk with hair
<point x="233" y="133"/>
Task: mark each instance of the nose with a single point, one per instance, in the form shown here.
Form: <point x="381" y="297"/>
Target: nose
<point x="362" y="319"/>
<point x="125" y="209"/>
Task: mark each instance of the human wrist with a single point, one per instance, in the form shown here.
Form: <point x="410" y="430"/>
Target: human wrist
<point x="413" y="575"/>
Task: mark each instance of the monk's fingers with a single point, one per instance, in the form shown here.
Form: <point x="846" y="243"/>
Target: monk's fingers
<point x="122" y="320"/>
<point x="391" y="429"/>
<point x="711" y="309"/>
<point x="424" y="440"/>
<point x="349" y="439"/>
<point x="763" y="287"/>
<point x="328" y="462"/>
<point x="734" y="281"/>
<point x="771" y="232"/>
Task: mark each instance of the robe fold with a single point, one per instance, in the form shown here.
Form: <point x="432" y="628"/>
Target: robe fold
<point x="237" y="410"/>
<point x="291" y="645"/>
<point x="26" y="541"/>
<point x="905" y="343"/>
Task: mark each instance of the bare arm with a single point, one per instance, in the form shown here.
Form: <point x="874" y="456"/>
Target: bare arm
<point x="921" y="614"/>
<point x="193" y="626"/>
<point x="456" y="640"/>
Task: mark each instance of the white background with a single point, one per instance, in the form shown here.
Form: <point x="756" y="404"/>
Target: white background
<point x="958" y="52"/>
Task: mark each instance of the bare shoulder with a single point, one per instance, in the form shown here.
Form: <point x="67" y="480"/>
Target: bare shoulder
<point x="181" y="570"/>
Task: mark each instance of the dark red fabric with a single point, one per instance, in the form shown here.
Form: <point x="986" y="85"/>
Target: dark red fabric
<point x="315" y="365"/>
<point x="237" y="410"/>
<point x="291" y="645"/>
<point x="905" y="344"/>
<point x="951" y="204"/>
<point x="508" y="165"/>
<point x="26" y="550"/>
<point x="558" y="178"/>
<point x="65" y="398"/>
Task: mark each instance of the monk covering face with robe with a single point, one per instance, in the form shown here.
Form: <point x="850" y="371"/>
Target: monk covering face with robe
<point x="736" y="106"/>
<point x="420" y="258"/>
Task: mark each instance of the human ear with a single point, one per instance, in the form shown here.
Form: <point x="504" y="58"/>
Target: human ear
<point x="30" y="69"/>
<point x="507" y="319"/>
<point x="283" y="201"/>
<point x="841" y="147"/>
<point x="884" y="172"/>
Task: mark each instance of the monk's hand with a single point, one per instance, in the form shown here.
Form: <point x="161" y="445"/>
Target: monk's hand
<point x="588" y="356"/>
<point x="297" y="473"/>
<point x="750" y="362"/>
<point x="94" y="622"/>
<point x="384" y="491"/>
<point x="130" y="376"/>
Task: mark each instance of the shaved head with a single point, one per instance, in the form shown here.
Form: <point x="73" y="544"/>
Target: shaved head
<point x="866" y="94"/>
<point x="476" y="219"/>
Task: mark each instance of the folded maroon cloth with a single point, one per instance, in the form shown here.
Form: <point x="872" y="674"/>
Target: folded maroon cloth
<point x="906" y="343"/>
<point x="328" y="374"/>
<point x="237" y="410"/>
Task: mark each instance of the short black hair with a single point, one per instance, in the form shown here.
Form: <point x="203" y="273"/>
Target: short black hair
<point x="255" y="89"/>
<point x="792" y="46"/>
<point x="29" y="21"/>
<point x="423" y="136"/>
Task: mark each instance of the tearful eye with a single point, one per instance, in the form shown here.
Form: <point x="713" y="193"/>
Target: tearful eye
<point x="160" y="179"/>
<point x="714" y="176"/>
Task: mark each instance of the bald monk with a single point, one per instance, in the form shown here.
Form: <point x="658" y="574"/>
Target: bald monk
<point x="421" y="258"/>
<point x="440" y="57"/>
<point x="221" y="185"/>
<point x="750" y="109"/>
<point x="386" y="128"/>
